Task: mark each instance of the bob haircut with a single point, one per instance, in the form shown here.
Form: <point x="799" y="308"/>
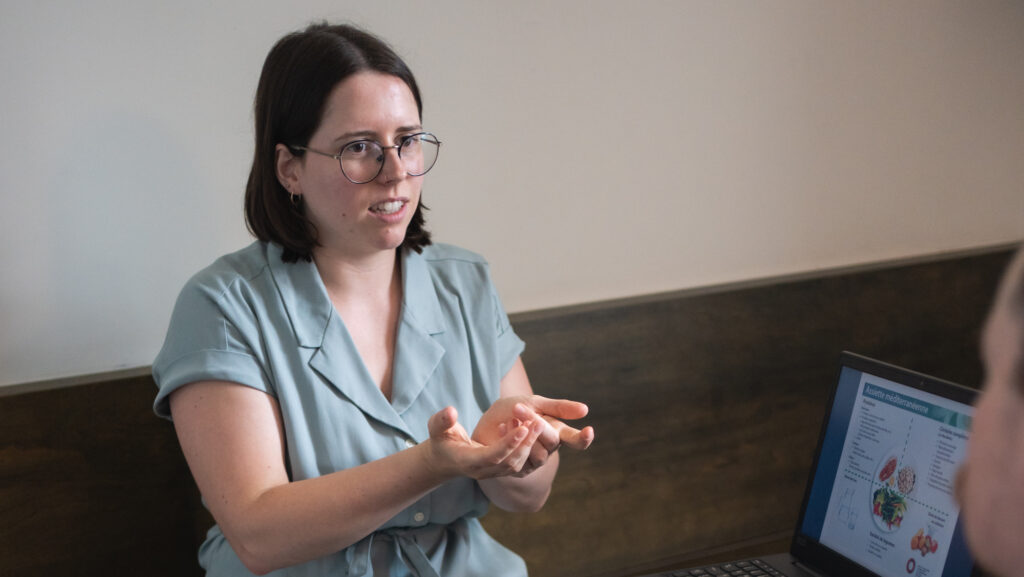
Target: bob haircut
<point x="298" y="76"/>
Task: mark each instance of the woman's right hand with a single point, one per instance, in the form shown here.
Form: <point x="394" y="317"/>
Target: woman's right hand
<point x="453" y="453"/>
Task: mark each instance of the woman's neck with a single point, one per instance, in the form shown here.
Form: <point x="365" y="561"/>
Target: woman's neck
<point x="348" y="279"/>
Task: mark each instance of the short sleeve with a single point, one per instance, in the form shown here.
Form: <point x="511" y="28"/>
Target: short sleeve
<point x="510" y="346"/>
<point x="213" y="335"/>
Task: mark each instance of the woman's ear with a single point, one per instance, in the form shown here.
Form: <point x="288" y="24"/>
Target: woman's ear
<point x="287" y="166"/>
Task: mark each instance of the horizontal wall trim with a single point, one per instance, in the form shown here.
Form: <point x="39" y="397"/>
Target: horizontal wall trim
<point x="539" y="314"/>
<point x="766" y="281"/>
<point x="75" y="381"/>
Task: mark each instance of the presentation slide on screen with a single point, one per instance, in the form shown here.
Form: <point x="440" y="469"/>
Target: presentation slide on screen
<point x="892" y="506"/>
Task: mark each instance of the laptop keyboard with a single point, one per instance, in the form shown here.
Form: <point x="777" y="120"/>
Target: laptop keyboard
<point x="751" y="568"/>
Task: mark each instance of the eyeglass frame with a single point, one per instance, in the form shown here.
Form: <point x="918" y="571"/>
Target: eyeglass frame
<point x="383" y="149"/>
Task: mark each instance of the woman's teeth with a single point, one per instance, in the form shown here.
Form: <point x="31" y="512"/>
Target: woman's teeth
<point x="389" y="207"/>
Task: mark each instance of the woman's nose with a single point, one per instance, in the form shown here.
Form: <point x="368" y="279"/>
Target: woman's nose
<point x="393" y="168"/>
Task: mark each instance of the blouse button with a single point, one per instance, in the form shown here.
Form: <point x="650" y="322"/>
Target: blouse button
<point x="410" y="443"/>
<point x="419" y="517"/>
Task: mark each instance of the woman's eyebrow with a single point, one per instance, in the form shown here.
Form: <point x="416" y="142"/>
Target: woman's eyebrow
<point x="349" y="136"/>
<point x="413" y="128"/>
<point x="371" y="135"/>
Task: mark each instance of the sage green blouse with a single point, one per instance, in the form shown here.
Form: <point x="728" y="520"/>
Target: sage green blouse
<point x="252" y="319"/>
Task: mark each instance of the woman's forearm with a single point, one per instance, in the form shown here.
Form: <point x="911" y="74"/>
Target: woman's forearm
<point x="300" y="521"/>
<point x="522" y="494"/>
<point x="233" y="440"/>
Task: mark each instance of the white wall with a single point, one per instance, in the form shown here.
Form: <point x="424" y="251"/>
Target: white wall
<point x="593" y="148"/>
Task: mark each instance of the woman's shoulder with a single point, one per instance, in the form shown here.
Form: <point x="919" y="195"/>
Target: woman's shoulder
<point x="241" y="266"/>
<point x="456" y="274"/>
<point x="455" y="264"/>
<point x="229" y="273"/>
<point x="449" y="253"/>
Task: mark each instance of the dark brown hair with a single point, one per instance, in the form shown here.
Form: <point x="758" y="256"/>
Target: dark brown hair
<point x="298" y="76"/>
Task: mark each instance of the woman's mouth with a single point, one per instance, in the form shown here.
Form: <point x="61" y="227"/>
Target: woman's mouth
<point x="387" y="207"/>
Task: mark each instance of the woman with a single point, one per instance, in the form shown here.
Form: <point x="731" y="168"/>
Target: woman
<point x="323" y="381"/>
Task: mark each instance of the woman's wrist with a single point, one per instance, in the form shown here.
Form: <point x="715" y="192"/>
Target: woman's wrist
<point x="434" y="464"/>
<point x="521" y="494"/>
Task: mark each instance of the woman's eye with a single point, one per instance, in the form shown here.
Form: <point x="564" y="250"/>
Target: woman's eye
<point x="356" y="148"/>
<point x="411" y="142"/>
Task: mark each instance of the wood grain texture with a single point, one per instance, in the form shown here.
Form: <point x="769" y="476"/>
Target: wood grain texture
<point x="707" y="407"/>
<point x="92" y="483"/>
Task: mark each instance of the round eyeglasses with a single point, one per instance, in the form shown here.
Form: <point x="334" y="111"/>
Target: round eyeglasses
<point x="362" y="160"/>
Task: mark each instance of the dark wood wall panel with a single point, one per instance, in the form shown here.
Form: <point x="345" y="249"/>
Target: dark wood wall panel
<point x="92" y="483"/>
<point x="707" y="406"/>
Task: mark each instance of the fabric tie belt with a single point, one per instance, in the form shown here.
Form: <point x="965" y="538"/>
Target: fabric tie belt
<point x="359" y="555"/>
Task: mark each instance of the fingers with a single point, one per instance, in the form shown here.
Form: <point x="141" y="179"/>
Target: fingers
<point x="442" y="420"/>
<point x="553" y="411"/>
<point x="530" y="454"/>
<point x="559" y="408"/>
<point x="578" y="440"/>
<point x="523" y="443"/>
<point x="504" y="457"/>
<point x="521" y="453"/>
<point x="539" y="455"/>
<point x="548" y="437"/>
<point x="571" y="437"/>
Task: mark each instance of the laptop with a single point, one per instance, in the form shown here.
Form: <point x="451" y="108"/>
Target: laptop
<point x="879" y="501"/>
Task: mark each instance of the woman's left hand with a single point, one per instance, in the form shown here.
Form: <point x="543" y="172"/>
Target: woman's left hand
<point x="507" y="413"/>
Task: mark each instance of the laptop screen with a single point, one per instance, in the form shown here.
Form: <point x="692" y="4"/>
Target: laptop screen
<point x="881" y="494"/>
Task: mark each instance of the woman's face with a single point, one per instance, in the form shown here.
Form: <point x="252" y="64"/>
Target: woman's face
<point x="359" y="220"/>
<point x="990" y="486"/>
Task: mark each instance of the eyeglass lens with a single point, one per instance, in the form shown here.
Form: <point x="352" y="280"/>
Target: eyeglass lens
<point x="362" y="161"/>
